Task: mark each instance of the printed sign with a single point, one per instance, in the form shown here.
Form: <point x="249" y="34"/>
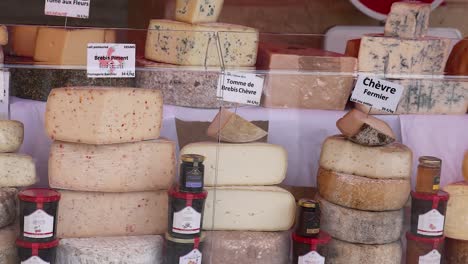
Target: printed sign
<point x="243" y="88"/>
<point x="432" y="257"/>
<point x="186" y="221"/>
<point x="38" y="225"/>
<point x="377" y="93"/>
<point x="109" y="60"/>
<point x="67" y="8"/>
<point x="431" y="223"/>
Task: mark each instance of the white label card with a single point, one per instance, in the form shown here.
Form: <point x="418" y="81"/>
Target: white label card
<point x="67" y="8"/>
<point x="38" y="225"/>
<point x="110" y="60"/>
<point x="186" y="221"/>
<point x="431" y="223"/>
<point x="377" y="93"/>
<point x="194" y="257"/>
<point x="432" y="257"/>
<point x="242" y="88"/>
<point x="312" y="257"/>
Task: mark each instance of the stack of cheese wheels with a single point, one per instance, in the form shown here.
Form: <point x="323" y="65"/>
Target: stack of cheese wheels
<point x="112" y="171"/>
<point x="244" y="212"/>
<point x="405" y="51"/>
<point x="363" y="184"/>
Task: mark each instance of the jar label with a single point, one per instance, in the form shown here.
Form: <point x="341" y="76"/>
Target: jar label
<point x="186" y="221"/>
<point x="431" y="223"/>
<point x="38" y="225"/>
<point x="311" y="258"/>
<point x="34" y="260"/>
<point x="193" y="178"/>
<point x="432" y="257"/>
<point x="436" y="183"/>
<point x="194" y="257"/>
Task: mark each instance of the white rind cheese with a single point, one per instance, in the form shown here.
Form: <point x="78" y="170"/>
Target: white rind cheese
<point x="95" y="214"/>
<point x="363" y="193"/>
<point x="103" y="115"/>
<point x="111" y="250"/>
<point x="201" y="44"/>
<point x="198" y="11"/>
<point x="8" y="251"/>
<point x="7" y="206"/>
<point x="127" y="167"/>
<point x="241" y="164"/>
<point x="340" y="252"/>
<point x="456" y="217"/>
<point x="17" y="170"/>
<point x="259" y="208"/>
<point x="11" y="135"/>
<point x="408" y="20"/>
<point x="393" y="161"/>
<point x="389" y="55"/>
<point x="356" y="226"/>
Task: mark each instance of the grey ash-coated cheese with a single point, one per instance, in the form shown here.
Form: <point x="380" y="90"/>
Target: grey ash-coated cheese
<point x="8" y="254"/>
<point x="7" y="206"/>
<point x="340" y="252"/>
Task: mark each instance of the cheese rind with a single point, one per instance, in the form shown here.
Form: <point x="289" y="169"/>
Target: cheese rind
<point x="198" y="11"/>
<point x="230" y="127"/>
<point x="340" y="252"/>
<point x="364" y="129"/>
<point x="197" y="45"/>
<point x="8" y="251"/>
<point x="393" y="161"/>
<point x="127" y="167"/>
<point x="352" y="47"/>
<point x="408" y="20"/>
<point x="361" y="192"/>
<point x="389" y="55"/>
<point x="3" y="35"/>
<point x="356" y="226"/>
<point x="457" y="63"/>
<point x="17" y="170"/>
<point x="23" y="40"/>
<point x="7" y="206"/>
<point x="456" y="251"/>
<point x="11" y="135"/>
<point x="457" y="211"/>
<point x="110" y="250"/>
<point x="259" y="208"/>
<point x="241" y="164"/>
<point x="95" y="214"/>
<point x="249" y="247"/>
<point x="103" y="115"/>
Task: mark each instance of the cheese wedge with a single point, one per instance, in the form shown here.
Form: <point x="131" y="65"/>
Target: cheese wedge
<point x="11" y="135"/>
<point x="198" y="11"/>
<point x="96" y="214"/>
<point x="3" y="35"/>
<point x="408" y="20"/>
<point x="17" y="170"/>
<point x="127" y="167"/>
<point x="103" y="115"/>
<point x="457" y="211"/>
<point x="393" y="161"/>
<point x="8" y="251"/>
<point x="230" y="127"/>
<point x="365" y="129"/>
<point x="23" y="40"/>
<point x="241" y="164"/>
<point x="340" y="252"/>
<point x="256" y="208"/>
<point x="7" y="206"/>
<point x="465" y="166"/>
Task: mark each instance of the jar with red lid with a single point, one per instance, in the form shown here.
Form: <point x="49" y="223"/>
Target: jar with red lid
<point x="424" y="250"/>
<point x="428" y="213"/>
<point x="310" y="250"/>
<point x="33" y="253"/>
<point x="38" y="214"/>
<point x="177" y="250"/>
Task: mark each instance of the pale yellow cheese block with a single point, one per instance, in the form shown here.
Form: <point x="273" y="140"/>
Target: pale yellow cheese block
<point x="198" y="11"/>
<point x="11" y="135"/>
<point x="23" y="40"/>
<point x="17" y="170"/>
<point x="3" y="35"/>
<point x="127" y="167"/>
<point x="201" y="44"/>
<point x="363" y="193"/>
<point x="230" y="127"/>
<point x="393" y="161"/>
<point x="255" y="208"/>
<point x="68" y="46"/>
<point x="95" y="214"/>
<point x="103" y="115"/>
<point x="465" y="166"/>
<point x="456" y="217"/>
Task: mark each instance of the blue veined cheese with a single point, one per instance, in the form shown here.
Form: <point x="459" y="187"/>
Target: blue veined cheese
<point x="198" y="11"/>
<point x="208" y="44"/>
<point x="429" y="96"/>
<point x="408" y="20"/>
<point x="390" y="55"/>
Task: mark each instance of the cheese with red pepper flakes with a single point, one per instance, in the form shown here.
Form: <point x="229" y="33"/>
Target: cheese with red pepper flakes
<point x="97" y="214"/>
<point x="103" y="115"/>
<point x="127" y="167"/>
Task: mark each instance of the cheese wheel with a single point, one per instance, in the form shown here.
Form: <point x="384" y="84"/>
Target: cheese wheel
<point x="362" y="227"/>
<point x="456" y="251"/>
<point x="7" y="206"/>
<point x="8" y="253"/>
<point x="393" y="161"/>
<point x="17" y="170"/>
<point x="465" y="166"/>
<point x="340" y="252"/>
<point x="11" y="135"/>
<point x="361" y="192"/>
<point x="456" y="225"/>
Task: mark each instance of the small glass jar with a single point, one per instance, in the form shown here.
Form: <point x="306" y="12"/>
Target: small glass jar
<point x="428" y="177"/>
<point x="191" y="173"/>
<point x="308" y="218"/>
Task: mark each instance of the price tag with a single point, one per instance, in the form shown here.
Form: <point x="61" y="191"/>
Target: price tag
<point x="243" y="88"/>
<point x="67" y="8"/>
<point x="377" y="93"/>
<point x="109" y="60"/>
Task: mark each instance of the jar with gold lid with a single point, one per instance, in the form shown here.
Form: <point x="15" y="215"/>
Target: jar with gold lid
<point x="308" y="218"/>
<point x="428" y="175"/>
<point x="191" y="173"/>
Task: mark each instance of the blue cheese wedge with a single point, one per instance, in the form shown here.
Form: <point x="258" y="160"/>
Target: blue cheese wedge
<point x="408" y="20"/>
<point x="198" y="11"/>
<point x="11" y="135"/>
<point x="17" y="170"/>
<point x="208" y="44"/>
